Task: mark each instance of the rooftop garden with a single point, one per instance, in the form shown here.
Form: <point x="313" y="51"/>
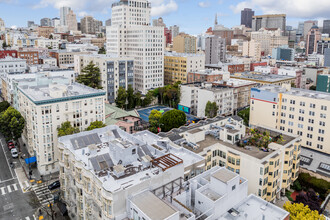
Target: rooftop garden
<point x="260" y="139"/>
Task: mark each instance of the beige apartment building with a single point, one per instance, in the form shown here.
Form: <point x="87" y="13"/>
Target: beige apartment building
<point x="184" y="43"/>
<point x="268" y="40"/>
<point x="270" y="168"/>
<point x="45" y="31"/>
<point x="297" y="111"/>
<point x="46" y="105"/>
<point x="65" y="59"/>
<point x="178" y="65"/>
<point x="252" y="49"/>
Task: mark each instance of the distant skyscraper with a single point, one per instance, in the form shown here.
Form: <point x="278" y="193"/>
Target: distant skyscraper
<point x="246" y="17"/>
<point x="87" y="25"/>
<point x="108" y="22"/>
<point x="71" y="21"/>
<point x="269" y="22"/>
<point x="64" y="11"/>
<point x="326" y="27"/>
<point x="175" y="30"/>
<point x="2" y="25"/>
<point x="313" y="36"/>
<point x="307" y="26"/>
<point x="322" y="45"/>
<point x="158" y="22"/>
<point x="45" y="22"/>
<point x="55" y="22"/>
<point x="30" y="23"/>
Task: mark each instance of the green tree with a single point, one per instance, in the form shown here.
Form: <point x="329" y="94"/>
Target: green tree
<point x="11" y="124"/>
<point x="91" y="76"/>
<point x="245" y="115"/>
<point x="154" y="118"/>
<point x="130" y="97"/>
<point x="211" y="109"/>
<point x="66" y="129"/>
<point x="172" y="119"/>
<point x="148" y="98"/>
<point x="121" y="97"/>
<point x="4" y="45"/>
<point x="4" y="105"/>
<point x="102" y="50"/>
<point x="95" y="124"/>
<point x="137" y="99"/>
<point x="299" y="211"/>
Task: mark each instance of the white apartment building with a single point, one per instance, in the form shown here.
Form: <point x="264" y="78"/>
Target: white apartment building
<point x="131" y="35"/>
<point x="2" y="25"/>
<point x="46" y="105"/>
<point x="100" y="170"/>
<point x="81" y="47"/>
<point x="115" y="71"/>
<point x="50" y="61"/>
<point x="270" y="167"/>
<point x="297" y="111"/>
<point x="47" y="43"/>
<point x="195" y="97"/>
<point x="9" y="80"/>
<point x="269" y="40"/>
<point x="12" y="65"/>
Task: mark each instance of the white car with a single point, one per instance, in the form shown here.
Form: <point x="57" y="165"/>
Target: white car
<point x="14" y="153"/>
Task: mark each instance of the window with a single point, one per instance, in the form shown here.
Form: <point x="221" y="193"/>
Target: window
<point x="308" y="143"/>
<point x="261" y="171"/>
<point x="301" y="111"/>
<point x="321" y="131"/>
<point x="310" y="128"/>
<point x="233" y="187"/>
<point x="302" y="103"/>
<point x="320" y="138"/>
<point x="322" y="123"/>
<point x="292" y="102"/>
<point x="323" y="107"/>
<point x="312" y="105"/>
<point x="311" y="113"/>
<point x="309" y="135"/>
<point x="301" y="118"/>
<point x="311" y="121"/>
<point x="323" y="115"/>
<point x="300" y="126"/>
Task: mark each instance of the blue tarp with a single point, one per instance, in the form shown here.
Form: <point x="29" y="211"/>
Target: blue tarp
<point x="30" y="160"/>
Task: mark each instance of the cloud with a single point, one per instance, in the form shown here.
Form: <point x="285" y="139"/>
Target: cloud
<point x="80" y="6"/>
<point x="163" y="7"/>
<point x="204" y="4"/>
<point x="292" y="8"/>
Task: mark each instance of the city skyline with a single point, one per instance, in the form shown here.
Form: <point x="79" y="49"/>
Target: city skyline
<point x="179" y="12"/>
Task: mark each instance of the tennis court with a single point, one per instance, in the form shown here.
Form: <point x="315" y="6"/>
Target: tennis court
<point x="145" y="112"/>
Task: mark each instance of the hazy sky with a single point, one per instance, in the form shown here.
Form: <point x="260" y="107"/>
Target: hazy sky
<point x="193" y="16"/>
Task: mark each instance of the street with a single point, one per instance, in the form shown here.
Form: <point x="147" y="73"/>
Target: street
<point x="14" y="203"/>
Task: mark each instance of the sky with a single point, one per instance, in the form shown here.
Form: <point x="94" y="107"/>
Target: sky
<point x="193" y="16"/>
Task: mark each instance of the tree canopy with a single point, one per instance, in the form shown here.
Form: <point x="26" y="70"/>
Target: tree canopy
<point x="4" y="105"/>
<point x="172" y="119"/>
<point x="130" y="97"/>
<point x="102" y="50"/>
<point x="11" y="124"/>
<point x="154" y="118"/>
<point x="245" y="115"/>
<point x="95" y="124"/>
<point x="168" y="95"/>
<point x="66" y="129"/>
<point x="121" y="97"/>
<point x="211" y="109"/>
<point x="91" y="76"/>
<point x="299" y="211"/>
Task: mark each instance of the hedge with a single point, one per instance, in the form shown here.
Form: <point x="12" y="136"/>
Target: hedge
<point x="318" y="185"/>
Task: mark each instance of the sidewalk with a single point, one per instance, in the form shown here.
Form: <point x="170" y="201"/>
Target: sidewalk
<point x="36" y="176"/>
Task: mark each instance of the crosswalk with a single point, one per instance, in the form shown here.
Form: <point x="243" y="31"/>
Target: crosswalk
<point x="24" y="186"/>
<point x="43" y="193"/>
<point x="8" y="189"/>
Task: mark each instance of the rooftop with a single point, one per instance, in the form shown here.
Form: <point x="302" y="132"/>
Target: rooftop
<point x="152" y="206"/>
<point x="253" y="207"/>
<point x="294" y="91"/>
<point x="41" y="94"/>
<point x="118" y="159"/>
<point x="209" y="72"/>
<point x="175" y="54"/>
<point x="224" y="175"/>
<point x="232" y="82"/>
<point x="271" y="78"/>
<point x="315" y="161"/>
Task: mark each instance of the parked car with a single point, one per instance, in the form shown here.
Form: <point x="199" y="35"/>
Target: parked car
<point x="14" y="153"/>
<point x="54" y="185"/>
<point x="11" y="145"/>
